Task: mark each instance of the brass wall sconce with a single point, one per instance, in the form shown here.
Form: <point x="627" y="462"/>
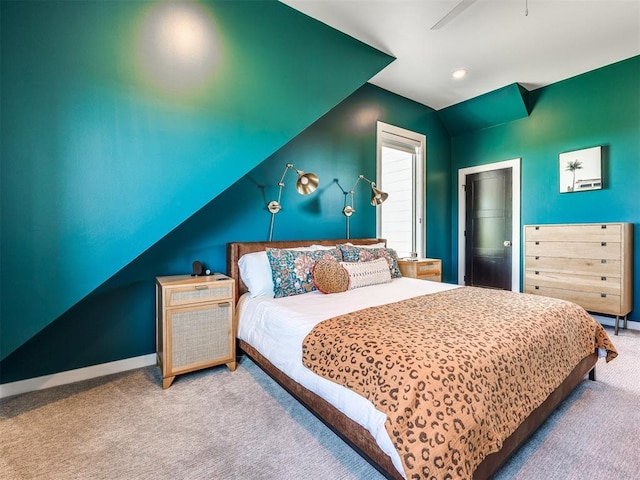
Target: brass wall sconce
<point x="377" y="197"/>
<point x="306" y="184"/>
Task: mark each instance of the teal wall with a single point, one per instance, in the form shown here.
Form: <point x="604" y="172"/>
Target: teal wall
<point x="108" y="181"/>
<point x="500" y="106"/>
<point x="601" y="107"/>
<point x="108" y="144"/>
<point x="116" y="320"/>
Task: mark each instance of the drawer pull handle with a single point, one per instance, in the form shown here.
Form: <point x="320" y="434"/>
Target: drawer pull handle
<point x="603" y="295"/>
<point x="603" y="227"/>
<point x="537" y="227"/>
<point x="604" y="279"/>
<point x="201" y="287"/>
<point x="603" y="261"/>
<point x="537" y="287"/>
<point x="537" y="243"/>
<point x="537" y="272"/>
<point x="537" y="257"/>
<point x="604" y="244"/>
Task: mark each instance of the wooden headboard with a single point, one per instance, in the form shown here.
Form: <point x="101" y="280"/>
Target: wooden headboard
<point x="235" y="250"/>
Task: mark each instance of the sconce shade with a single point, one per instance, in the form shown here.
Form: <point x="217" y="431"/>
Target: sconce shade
<point x="378" y="196"/>
<point x="306" y="183"/>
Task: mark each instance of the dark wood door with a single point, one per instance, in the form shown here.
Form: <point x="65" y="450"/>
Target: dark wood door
<point x="488" y="229"/>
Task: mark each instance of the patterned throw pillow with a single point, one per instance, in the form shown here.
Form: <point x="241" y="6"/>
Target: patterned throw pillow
<point x="363" y="274"/>
<point x="291" y="270"/>
<point x="351" y="253"/>
<point x="329" y="276"/>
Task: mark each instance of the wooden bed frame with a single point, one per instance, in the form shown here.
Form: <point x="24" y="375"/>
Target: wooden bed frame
<point x="354" y="434"/>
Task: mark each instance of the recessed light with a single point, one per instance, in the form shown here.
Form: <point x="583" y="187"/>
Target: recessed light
<point x="460" y="73"/>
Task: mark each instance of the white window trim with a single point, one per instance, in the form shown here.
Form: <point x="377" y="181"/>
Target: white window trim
<point x="421" y="146"/>
<point x="515" y="218"/>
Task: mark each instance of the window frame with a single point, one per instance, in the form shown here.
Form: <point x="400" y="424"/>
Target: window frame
<point x="388" y="135"/>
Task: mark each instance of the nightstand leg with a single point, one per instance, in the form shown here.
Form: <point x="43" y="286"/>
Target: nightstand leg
<point x="625" y="322"/>
<point x="232" y="366"/>
<point x="166" y="382"/>
<point x="615" y="331"/>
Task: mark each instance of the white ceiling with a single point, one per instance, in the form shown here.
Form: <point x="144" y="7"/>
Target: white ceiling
<point x="493" y="39"/>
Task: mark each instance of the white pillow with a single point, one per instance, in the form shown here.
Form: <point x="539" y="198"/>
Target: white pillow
<point x="255" y="272"/>
<point x="363" y="274"/>
<point x="371" y="245"/>
<point x="323" y="247"/>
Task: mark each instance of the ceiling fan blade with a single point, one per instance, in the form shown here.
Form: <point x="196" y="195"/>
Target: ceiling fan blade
<point x="455" y="11"/>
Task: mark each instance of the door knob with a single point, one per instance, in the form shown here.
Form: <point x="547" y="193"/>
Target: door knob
<point x="507" y="243"/>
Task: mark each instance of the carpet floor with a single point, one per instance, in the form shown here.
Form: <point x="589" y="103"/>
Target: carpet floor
<point x="217" y="424"/>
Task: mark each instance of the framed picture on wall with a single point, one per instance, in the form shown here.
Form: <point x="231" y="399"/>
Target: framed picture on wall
<point x="580" y="170"/>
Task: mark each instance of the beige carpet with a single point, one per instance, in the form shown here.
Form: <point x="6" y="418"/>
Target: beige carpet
<point x="216" y="424"/>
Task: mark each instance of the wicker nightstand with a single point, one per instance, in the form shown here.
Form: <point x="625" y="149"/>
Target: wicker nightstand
<point x="422" y="268"/>
<point x="194" y="324"/>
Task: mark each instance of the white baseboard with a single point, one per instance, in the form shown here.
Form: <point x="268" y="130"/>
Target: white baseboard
<point x="70" y="376"/>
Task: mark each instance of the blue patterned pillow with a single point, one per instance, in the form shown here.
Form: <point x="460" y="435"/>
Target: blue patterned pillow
<point x="352" y="253"/>
<point x="291" y="270"/>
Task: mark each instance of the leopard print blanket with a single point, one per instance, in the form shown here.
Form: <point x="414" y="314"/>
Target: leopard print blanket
<point x="455" y="372"/>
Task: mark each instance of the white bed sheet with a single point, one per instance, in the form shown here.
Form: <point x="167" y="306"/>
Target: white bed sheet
<point x="276" y="327"/>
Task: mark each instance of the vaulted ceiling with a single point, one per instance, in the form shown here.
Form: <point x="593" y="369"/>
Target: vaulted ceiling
<point x="498" y="42"/>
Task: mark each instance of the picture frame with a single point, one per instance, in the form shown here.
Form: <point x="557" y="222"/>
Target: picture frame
<point x="580" y="170"/>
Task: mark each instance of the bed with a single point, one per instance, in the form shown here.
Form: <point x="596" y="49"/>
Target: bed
<point x="347" y="412"/>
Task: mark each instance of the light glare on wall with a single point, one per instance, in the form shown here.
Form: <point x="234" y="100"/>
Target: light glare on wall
<point x="178" y="47"/>
<point x="364" y="118"/>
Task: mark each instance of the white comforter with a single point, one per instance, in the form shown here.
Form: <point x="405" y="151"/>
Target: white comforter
<point x="276" y="327"/>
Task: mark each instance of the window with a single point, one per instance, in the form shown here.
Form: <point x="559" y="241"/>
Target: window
<point x="400" y="167"/>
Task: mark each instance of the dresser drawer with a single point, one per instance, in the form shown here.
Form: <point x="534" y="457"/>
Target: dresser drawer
<point x="428" y="268"/>
<point x="605" y="232"/>
<point x="435" y="276"/>
<point x="593" y="302"/>
<point x="581" y="283"/>
<point x="193" y="294"/>
<point x="593" y="250"/>
<point x="578" y="266"/>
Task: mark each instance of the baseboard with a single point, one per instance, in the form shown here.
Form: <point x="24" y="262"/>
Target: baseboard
<point x="70" y="376"/>
<point x="611" y="322"/>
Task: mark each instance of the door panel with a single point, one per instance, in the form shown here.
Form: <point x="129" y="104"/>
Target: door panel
<point x="488" y="229"/>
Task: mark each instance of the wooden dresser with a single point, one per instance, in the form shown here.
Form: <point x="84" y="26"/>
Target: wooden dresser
<point x="588" y="264"/>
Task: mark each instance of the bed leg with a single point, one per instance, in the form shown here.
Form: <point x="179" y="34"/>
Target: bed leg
<point x="592" y="374"/>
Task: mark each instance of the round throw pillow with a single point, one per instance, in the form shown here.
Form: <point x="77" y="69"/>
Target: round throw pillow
<point x="330" y="277"/>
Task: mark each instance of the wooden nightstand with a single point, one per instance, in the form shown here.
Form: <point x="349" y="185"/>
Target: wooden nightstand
<point x="422" y="268"/>
<point x="194" y="324"/>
